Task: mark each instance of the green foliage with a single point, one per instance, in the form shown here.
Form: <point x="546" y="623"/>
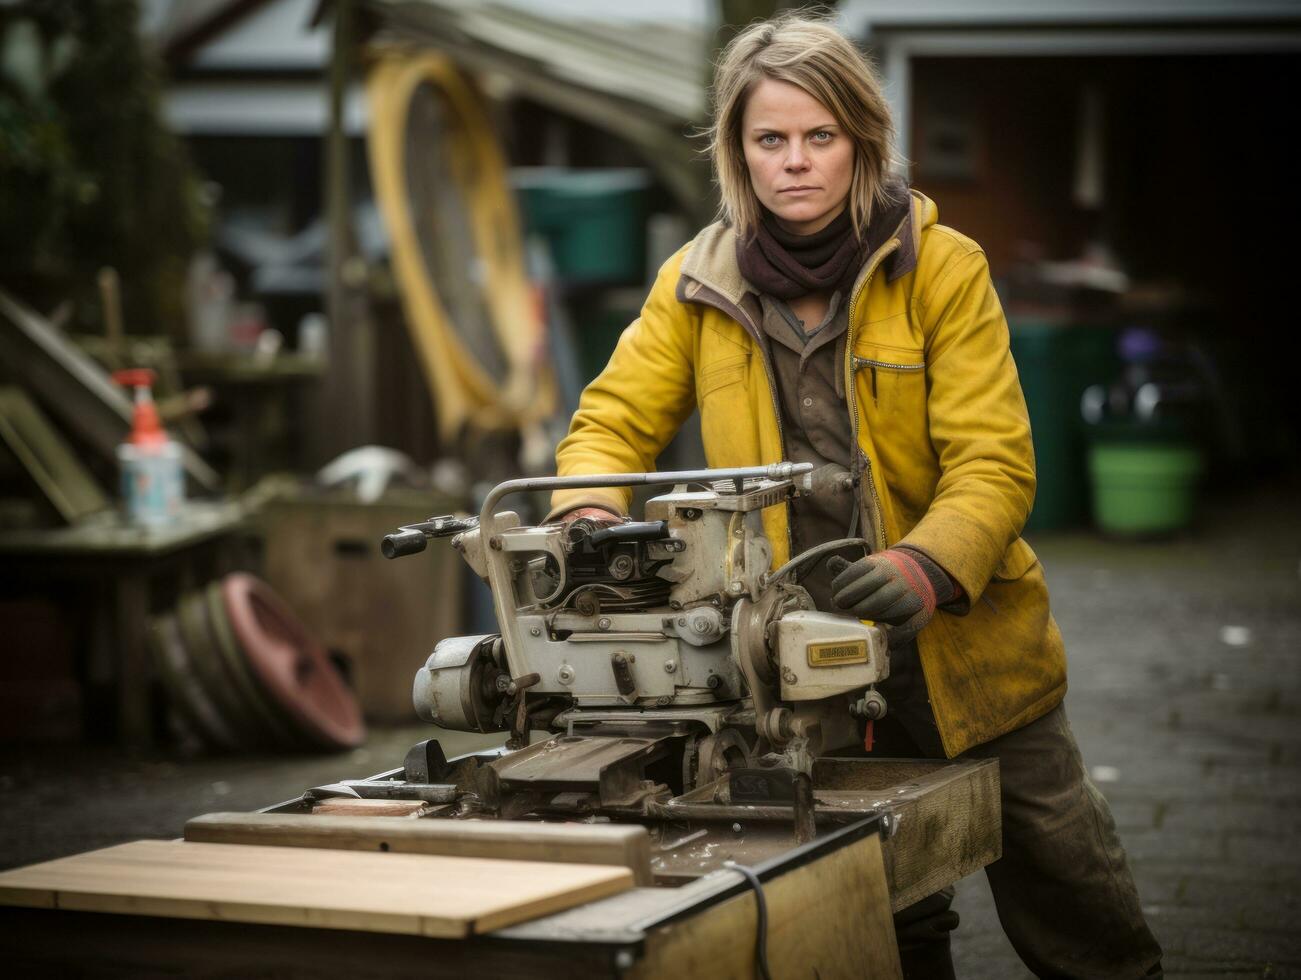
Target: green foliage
<point x="88" y="175"/>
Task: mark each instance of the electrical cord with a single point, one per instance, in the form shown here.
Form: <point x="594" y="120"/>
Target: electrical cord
<point x="816" y="551"/>
<point x="761" y="904"/>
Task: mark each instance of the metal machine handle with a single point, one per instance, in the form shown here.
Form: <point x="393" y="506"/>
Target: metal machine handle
<point x="410" y="539"/>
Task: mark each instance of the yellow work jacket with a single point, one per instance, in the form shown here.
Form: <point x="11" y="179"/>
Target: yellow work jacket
<point x="937" y="411"/>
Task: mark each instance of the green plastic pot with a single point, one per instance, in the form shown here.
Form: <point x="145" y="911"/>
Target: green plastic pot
<point x="1143" y="488"/>
<point x="594" y="220"/>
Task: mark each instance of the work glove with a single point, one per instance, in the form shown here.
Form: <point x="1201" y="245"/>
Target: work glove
<point x="898" y="587"/>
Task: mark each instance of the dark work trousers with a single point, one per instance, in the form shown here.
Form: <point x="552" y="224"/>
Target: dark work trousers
<point x="1063" y="889"/>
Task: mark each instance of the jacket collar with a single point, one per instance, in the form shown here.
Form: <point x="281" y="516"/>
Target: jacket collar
<point x="710" y="265"/>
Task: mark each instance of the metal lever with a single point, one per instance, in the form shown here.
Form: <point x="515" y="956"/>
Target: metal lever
<point x="519" y="728"/>
<point x="411" y="539"/>
<point x="631" y="531"/>
<point x="385" y="789"/>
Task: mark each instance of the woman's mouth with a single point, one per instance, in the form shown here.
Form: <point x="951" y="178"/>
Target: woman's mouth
<point x="798" y="189"/>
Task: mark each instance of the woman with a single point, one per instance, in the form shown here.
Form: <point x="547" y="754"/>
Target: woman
<point x="829" y="318"/>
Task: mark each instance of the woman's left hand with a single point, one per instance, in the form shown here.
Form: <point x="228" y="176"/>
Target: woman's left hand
<point x="889" y="587"/>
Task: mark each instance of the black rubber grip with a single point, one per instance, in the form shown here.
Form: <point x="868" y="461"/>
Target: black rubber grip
<point x="401" y="543"/>
<point x="633" y="531"/>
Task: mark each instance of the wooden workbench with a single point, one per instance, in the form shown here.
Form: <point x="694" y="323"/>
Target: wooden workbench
<point x="122" y="573"/>
<point x="829" y="903"/>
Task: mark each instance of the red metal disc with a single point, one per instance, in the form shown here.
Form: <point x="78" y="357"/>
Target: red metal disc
<point x="291" y="664"/>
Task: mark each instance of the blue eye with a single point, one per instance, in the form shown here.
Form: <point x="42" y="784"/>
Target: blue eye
<point x="769" y="139"/>
<point x="822" y="136"/>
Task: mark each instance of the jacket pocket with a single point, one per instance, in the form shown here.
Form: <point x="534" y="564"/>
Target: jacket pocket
<point x="721" y="375"/>
<point x="1017" y="560"/>
<point x="871" y="362"/>
<point x="879" y="364"/>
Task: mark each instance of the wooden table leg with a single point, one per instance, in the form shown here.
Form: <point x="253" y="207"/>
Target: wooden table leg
<point x="133" y="676"/>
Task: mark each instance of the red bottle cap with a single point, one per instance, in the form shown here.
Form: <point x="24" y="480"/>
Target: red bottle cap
<point x="146" y="427"/>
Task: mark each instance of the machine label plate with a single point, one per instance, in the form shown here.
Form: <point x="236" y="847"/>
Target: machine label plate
<point x="837" y="653"/>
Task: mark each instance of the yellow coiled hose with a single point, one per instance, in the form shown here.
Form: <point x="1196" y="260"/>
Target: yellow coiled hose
<point x="493" y="374"/>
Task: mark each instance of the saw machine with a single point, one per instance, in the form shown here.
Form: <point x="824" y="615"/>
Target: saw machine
<point x="685" y="684"/>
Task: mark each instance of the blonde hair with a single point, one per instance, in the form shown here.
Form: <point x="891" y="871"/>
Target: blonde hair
<point x="812" y="54"/>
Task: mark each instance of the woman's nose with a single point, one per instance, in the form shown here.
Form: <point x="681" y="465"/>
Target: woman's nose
<point x="796" y="158"/>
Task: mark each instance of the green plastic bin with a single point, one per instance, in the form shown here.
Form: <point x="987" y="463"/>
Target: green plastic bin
<point x="1144" y="485"/>
<point x="1056" y="361"/>
<point x="593" y="220"/>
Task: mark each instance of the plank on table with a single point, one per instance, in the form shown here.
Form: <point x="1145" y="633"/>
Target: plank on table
<point x="627" y="845"/>
<point x="419" y="894"/>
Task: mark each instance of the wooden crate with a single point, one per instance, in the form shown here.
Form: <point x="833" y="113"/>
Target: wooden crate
<point x="322" y="554"/>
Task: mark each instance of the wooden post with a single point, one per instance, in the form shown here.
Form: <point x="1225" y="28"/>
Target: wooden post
<point x="349" y="383"/>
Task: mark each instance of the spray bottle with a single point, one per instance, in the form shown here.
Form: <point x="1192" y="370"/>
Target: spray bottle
<point x="153" y="482"/>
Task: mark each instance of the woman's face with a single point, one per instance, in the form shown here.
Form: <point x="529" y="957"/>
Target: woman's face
<point x="800" y="159"/>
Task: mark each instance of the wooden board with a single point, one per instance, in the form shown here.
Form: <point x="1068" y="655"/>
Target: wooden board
<point x="418" y="894"/>
<point x="515" y="840"/>
<point x="50" y="461"/>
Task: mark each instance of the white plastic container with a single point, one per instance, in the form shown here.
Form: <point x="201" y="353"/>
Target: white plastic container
<point x="153" y="482"/>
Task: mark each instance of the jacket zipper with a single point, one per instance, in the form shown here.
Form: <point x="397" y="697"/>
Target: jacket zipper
<point x="851" y="396"/>
<point x="867" y="362"/>
<point x="742" y="317"/>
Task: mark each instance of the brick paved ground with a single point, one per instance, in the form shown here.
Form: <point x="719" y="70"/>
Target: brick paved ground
<point x="1201" y="738"/>
<point x="1193" y="731"/>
